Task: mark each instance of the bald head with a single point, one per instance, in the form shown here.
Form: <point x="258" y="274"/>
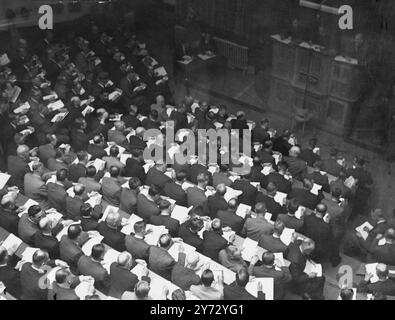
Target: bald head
<point x="221" y="189"/>
<point x="321" y="209"/>
<point x="260" y="208"/>
<point x="233" y="204"/>
<point x="294" y="152"/>
<point x="216" y="225"/>
<point x="40" y="257"/>
<point x="165" y="241"/>
<point x="79" y="189"/>
<point x="192" y="260"/>
<point x="140" y="131"/>
<point x="119" y="125"/>
<point x="22" y="149"/>
<point x="45" y="224"/>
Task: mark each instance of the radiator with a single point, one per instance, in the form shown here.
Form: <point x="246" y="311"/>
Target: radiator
<point x="236" y="55"/>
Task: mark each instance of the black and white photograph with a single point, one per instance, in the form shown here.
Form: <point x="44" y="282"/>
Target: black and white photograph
<point x="218" y="152"/>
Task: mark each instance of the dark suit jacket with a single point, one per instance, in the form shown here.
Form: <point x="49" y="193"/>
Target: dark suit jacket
<point x="57" y="196"/>
<point x="320" y="179"/>
<point x="254" y="228"/>
<point x="9" y="220"/>
<point x="189" y="237"/>
<point x="332" y="167"/>
<point x="96" y="152"/>
<point x="137" y="247"/>
<point x="231" y="219"/>
<point x="249" y="191"/>
<point x="146" y="208"/>
<point x="386" y="287"/>
<point x="216" y="203"/>
<point x="296" y="167"/>
<point x="271" y="243"/>
<point x="309" y="156"/>
<point x="281" y="279"/>
<point x="88" y="267"/>
<point x="171" y="224"/>
<point x="235" y="292"/>
<point x="291" y="222"/>
<point x="17" y="168"/>
<point x="220" y="177"/>
<point x="49" y="243"/>
<point x="76" y="171"/>
<point x="121" y="280"/>
<point x="182" y="276"/>
<point x="70" y="252"/>
<point x="11" y="279"/>
<point x="111" y="190"/>
<point x="128" y="201"/>
<point x="196" y="197"/>
<point x="197" y="169"/>
<point x="134" y="168"/>
<point x="383" y="254"/>
<point x="89" y="224"/>
<point x="282" y="184"/>
<point x="160" y="262"/>
<point x="213" y="243"/>
<point x="73" y="206"/>
<point x="258" y="176"/>
<point x="271" y="205"/>
<point x="281" y="145"/>
<point x="30" y="284"/>
<point x="321" y="232"/>
<point x="174" y="191"/>
<point x="112" y="237"/>
<point x="154" y="176"/>
<point x="260" y="135"/>
<point x="305" y="197"/>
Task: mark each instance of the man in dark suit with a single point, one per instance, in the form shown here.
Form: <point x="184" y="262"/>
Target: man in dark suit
<point x="174" y="189"/>
<point x="135" y="243"/>
<point x="120" y="276"/>
<point x="80" y="138"/>
<point x="259" y="133"/>
<point x="331" y="165"/>
<point x="92" y="266"/>
<point x="57" y="191"/>
<point x="112" y="187"/>
<point x="28" y="224"/>
<point x="73" y="204"/>
<point x="321" y="232"/>
<point x="272" y="242"/>
<point x="90" y="181"/>
<point x="266" y="154"/>
<point x="280" y="179"/>
<point x="90" y="217"/>
<point x="156" y="175"/>
<point x="217" y="202"/>
<point x="249" y="191"/>
<point x="308" y="153"/>
<point x="281" y="143"/>
<point x="196" y="195"/>
<point x="222" y="177"/>
<point x="70" y="246"/>
<point x="111" y="231"/>
<point x="8" y="275"/>
<point x="304" y="195"/>
<point x="296" y="166"/>
<point x="130" y="119"/>
<point x="213" y="241"/>
<point x="384" y="285"/>
<point x="147" y="205"/>
<point x="76" y="171"/>
<point x="384" y="253"/>
<point x="272" y="206"/>
<point x="96" y="150"/>
<point x="289" y="219"/>
<point x="159" y="260"/>
<point x="164" y="219"/>
<point x="9" y="218"/>
<point x="256" y="226"/>
<point x="317" y="177"/>
<point x="188" y="232"/>
<point x="18" y="166"/>
<point x="256" y="172"/>
<point x="229" y="218"/>
<point x="281" y="275"/>
<point x="237" y="290"/>
<point x="183" y="274"/>
<point x="197" y="170"/>
<point x="309" y="286"/>
<point x="44" y="239"/>
<point x="31" y="277"/>
<point x="134" y="167"/>
<point x="128" y="199"/>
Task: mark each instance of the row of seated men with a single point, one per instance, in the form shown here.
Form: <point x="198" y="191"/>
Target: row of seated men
<point x="53" y="156"/>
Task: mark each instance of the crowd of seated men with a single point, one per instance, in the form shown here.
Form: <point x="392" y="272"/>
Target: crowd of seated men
<point x="73" y="141"/>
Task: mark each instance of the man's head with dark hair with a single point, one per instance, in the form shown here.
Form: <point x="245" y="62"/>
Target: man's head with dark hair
<point x="74" y="231"/>
<point x="224" y="168"/>
<point x="196" y="224"/>
<point x="62" y="275"/>
<point x="154" y="191"/>
<point x="139" y="227"/>
<point x="35" y="213"/>
<point x="268" y="258"/>
<point x="114" y="151"/>
<point x="318" y="165"/>
<point x="181" y="176"/>
<point x="282" y="166"/>
<point x="293" y="206"/>
<point x="86" y="210"/>
<point x="91" y="172"/>
<point x="207" y="278"/>
<point x="114" y="172"/>
<point x="82" y="156"/>
<point x="134" y="183"/>
<point x="271" y="189"/>
<point x="260" y="208"/>
<point x="242" y="277"/>
<point x="61" y="175"/>
<point x="98" y="251"/>
<point x="346" y="294"/>
<point x="336" y="193"/>
<point x="40" y="257"/>
<point x="178" y="294"/>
